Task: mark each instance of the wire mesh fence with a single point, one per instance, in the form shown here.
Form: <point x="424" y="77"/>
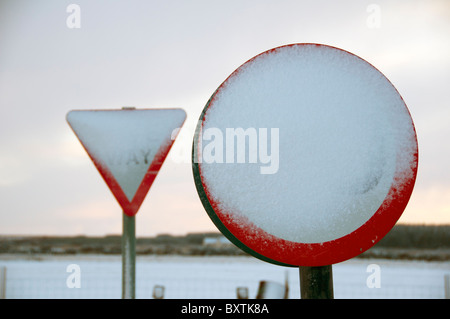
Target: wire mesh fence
<point x="174" y="277"/>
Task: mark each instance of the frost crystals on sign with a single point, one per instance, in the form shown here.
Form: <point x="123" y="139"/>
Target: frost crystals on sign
<point x="128" y="147"/>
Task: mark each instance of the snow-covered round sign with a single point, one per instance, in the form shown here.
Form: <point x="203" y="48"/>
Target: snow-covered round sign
<point x="306" y="155"/>
<point x="128" y="147"/>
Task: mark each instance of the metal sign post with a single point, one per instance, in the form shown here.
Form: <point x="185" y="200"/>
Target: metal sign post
<point x="128" y="147"/>
<point x="316" y="282"/>
<point x="128" y="257"/>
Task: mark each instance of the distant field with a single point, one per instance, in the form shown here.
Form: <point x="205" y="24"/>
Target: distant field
<point x="403" y="242"/>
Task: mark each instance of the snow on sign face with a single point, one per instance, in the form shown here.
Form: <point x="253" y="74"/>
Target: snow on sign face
<point x="306" y="155"/>
<point x="128" y="147"/>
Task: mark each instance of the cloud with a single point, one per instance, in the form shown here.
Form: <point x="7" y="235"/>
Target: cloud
<point x="428" y="206"/>
<point x="175" y="54"/>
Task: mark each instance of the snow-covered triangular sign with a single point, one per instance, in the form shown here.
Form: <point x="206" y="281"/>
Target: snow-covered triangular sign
<point x="128" y="147"/>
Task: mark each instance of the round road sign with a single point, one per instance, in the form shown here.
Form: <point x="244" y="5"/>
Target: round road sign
<point x="306" y="155"/>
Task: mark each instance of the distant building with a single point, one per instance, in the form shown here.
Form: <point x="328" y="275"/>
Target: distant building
<point x="216" y="241"/>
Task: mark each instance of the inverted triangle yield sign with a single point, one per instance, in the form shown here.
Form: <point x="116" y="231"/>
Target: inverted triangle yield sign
<point x="128" y="147"/>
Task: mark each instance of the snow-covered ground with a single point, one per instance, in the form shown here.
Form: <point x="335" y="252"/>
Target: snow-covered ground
<point x="212" y="277"/>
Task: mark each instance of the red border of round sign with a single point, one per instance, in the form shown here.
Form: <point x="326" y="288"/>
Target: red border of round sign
<point x="330" y="252"/>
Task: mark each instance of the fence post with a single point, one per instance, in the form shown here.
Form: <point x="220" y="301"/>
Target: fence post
<point x="447" y="286"/>
<point x="2" y="282"/>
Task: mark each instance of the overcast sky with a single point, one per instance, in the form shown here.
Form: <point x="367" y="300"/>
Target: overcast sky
<point x="175" y="54"/>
